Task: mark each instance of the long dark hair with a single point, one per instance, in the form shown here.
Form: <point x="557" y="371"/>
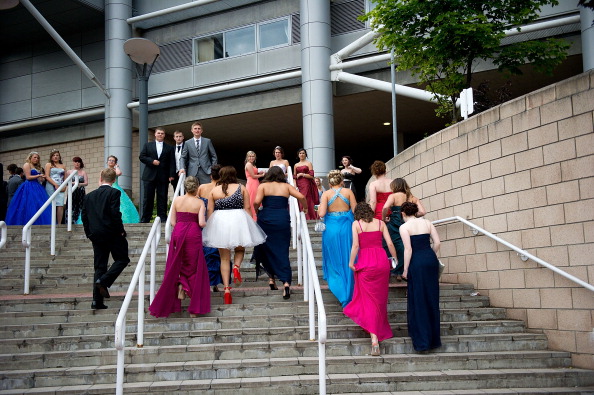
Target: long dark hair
<point x="214" y="172"/>
<point x="274" y="174"/>
<point x="400" y="185"/>
<point x="228" y="176"/>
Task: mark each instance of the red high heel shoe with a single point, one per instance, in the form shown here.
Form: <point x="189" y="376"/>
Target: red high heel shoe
<point x="237" y="280"/>
<point x="228" y="299"/>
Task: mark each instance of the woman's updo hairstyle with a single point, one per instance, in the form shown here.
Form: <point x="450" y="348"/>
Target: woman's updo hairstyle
<point x="335" y="177"/>
<point x="191" y="185"/>
<point x="214" y="172"/>
<point x="378" y="168"/>
<point x="363" y="211"/>
<point x="409" y="208"/>
<point x="274" y="174"/>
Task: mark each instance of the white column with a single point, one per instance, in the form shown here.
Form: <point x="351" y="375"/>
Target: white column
<point x="586" y="20"/>
<point x="316" y="86"/>
<point x="118" y="74"/>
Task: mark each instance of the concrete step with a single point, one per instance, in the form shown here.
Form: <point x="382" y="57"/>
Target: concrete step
<point x="466" y="380"/>
<point x="200" y="370"/>
<point x="512" y="342"/>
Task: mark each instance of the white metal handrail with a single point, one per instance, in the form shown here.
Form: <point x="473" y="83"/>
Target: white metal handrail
<point x="522" y="253"/>
<point x="4" y="237"/>
<point x="138" y="277"/>
<point x="27" y="228"/>
<point x="312" y="292"/>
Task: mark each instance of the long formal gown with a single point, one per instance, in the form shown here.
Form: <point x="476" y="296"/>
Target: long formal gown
<point x="230" y="226"/>
<point x="185" y="266"/>
<point x="381" y="198"/>
<point x="57" y="175"/>
<point x="27" y="200"/>
<point x="127" y="208"/>
<point x="394" y="230"/>
<point x="273" y="255"/>
<point x="423" y="295"/>
<point x="78" y="196"/>
<point x="308" y="188"/>
<point x="213" y="259"/>
<point x="252" y="187"/>
<point x="369" y="307"/>
<point x="336" y="250"/>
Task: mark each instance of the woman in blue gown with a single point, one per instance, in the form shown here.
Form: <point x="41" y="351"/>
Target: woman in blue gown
<point x="336" y="207"/>
<point x="127" y="208"/>
<point x="30" y="196"/>
<point x="273" y="194"/>
<point x="421" y="270"/>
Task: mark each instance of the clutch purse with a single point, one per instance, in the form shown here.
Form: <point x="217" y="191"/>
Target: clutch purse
<point x="320" y="226"/>
<point x="394" y="262"/>
<point x="440" y="270"/>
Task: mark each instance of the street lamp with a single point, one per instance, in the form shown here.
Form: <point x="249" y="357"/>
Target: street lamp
<point x="143" y="53"/>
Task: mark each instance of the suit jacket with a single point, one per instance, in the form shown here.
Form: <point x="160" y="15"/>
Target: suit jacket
<point x="101" y="216"/>
<point x="192" y="159"/>
<point x="166" y="167"/>
<point x="178" y="156"/>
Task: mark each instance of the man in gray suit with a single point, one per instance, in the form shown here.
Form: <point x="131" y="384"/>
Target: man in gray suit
<point x="198" y="155"/>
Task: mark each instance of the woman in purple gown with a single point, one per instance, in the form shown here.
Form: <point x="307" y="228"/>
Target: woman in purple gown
<point x="186" y="274"/>
<point x="369" y="307"/>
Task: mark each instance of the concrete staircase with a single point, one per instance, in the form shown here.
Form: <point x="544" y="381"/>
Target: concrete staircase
<point x="52" y="342"/>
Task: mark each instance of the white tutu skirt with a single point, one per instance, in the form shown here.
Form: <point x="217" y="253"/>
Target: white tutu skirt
<point x="232" y="228"/>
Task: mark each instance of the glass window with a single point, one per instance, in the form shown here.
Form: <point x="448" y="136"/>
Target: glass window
<point x="209" y="48"/>
<point x="274" y="33"/>
<point x="240" y="41"/>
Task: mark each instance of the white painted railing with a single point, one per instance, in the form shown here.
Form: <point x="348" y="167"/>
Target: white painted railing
<point x="27" y="228"/>
<point x="4" y="232"/>
<point x="179" y="190"/>
<point x="139" y="277"/>
<point x="524" y="255"/>
<point x="308" y="276"/>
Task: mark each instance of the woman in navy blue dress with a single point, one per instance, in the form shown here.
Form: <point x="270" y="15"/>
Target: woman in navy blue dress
<point x="273" y="194"/>
<point x="421" y="270"/>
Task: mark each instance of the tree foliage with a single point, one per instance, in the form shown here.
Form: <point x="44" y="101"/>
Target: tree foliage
<point x="441" y="41"/>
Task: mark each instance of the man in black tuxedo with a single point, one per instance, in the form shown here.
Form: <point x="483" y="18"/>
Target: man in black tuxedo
<point x="103" y="225"/>
<point x="159" y="170"/>
<point x="179" y="146"/>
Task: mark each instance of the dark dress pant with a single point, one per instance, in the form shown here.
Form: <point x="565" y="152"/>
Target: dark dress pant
<point x="118" y="248"/>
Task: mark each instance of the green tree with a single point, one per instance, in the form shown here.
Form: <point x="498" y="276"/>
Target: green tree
<point x="441" y="41"/>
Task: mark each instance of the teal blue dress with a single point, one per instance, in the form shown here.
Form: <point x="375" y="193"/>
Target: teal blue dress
<point x="337" y="241"/>
<point x="127" y="208"/>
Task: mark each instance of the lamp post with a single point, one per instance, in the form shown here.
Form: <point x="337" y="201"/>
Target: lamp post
<point x="143" y="53"/>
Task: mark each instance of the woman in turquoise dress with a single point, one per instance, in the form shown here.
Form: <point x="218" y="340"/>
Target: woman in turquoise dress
<point x="127" y="208"/>
<point x="336" y="207"/>
<point x="400" y="194"/>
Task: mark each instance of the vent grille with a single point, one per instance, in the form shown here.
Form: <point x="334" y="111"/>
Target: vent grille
<point x="344" y="16"/>
<point x="174" y="56"/>
<point x="295" y="28"/>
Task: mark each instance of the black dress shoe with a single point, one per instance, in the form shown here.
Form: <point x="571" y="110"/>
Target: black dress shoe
<point x="101" y="289"/>
<point x="98" y="306"/>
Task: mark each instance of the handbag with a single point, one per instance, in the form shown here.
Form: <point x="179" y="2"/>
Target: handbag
<point x="393" y="261"/>
<point x="320" y="226"/>
<point x="440" y="270"/>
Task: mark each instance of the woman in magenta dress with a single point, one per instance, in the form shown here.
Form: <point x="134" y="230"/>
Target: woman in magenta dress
<point x="252" y="175"/>
<point x="369" y="307"/>
<point x="304" y="180"/>
<point x="186" y="274"/>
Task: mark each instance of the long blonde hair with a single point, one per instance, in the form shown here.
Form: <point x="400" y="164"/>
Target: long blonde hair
<point x="36" y="167"/>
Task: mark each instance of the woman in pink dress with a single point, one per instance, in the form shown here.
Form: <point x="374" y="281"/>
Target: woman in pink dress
<point x="369" y="306"/>
<point x="304" y="180"/>
<point x="252" y="175"/>
<point x="379" y="190"/>
<point x="186" y="274"/>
